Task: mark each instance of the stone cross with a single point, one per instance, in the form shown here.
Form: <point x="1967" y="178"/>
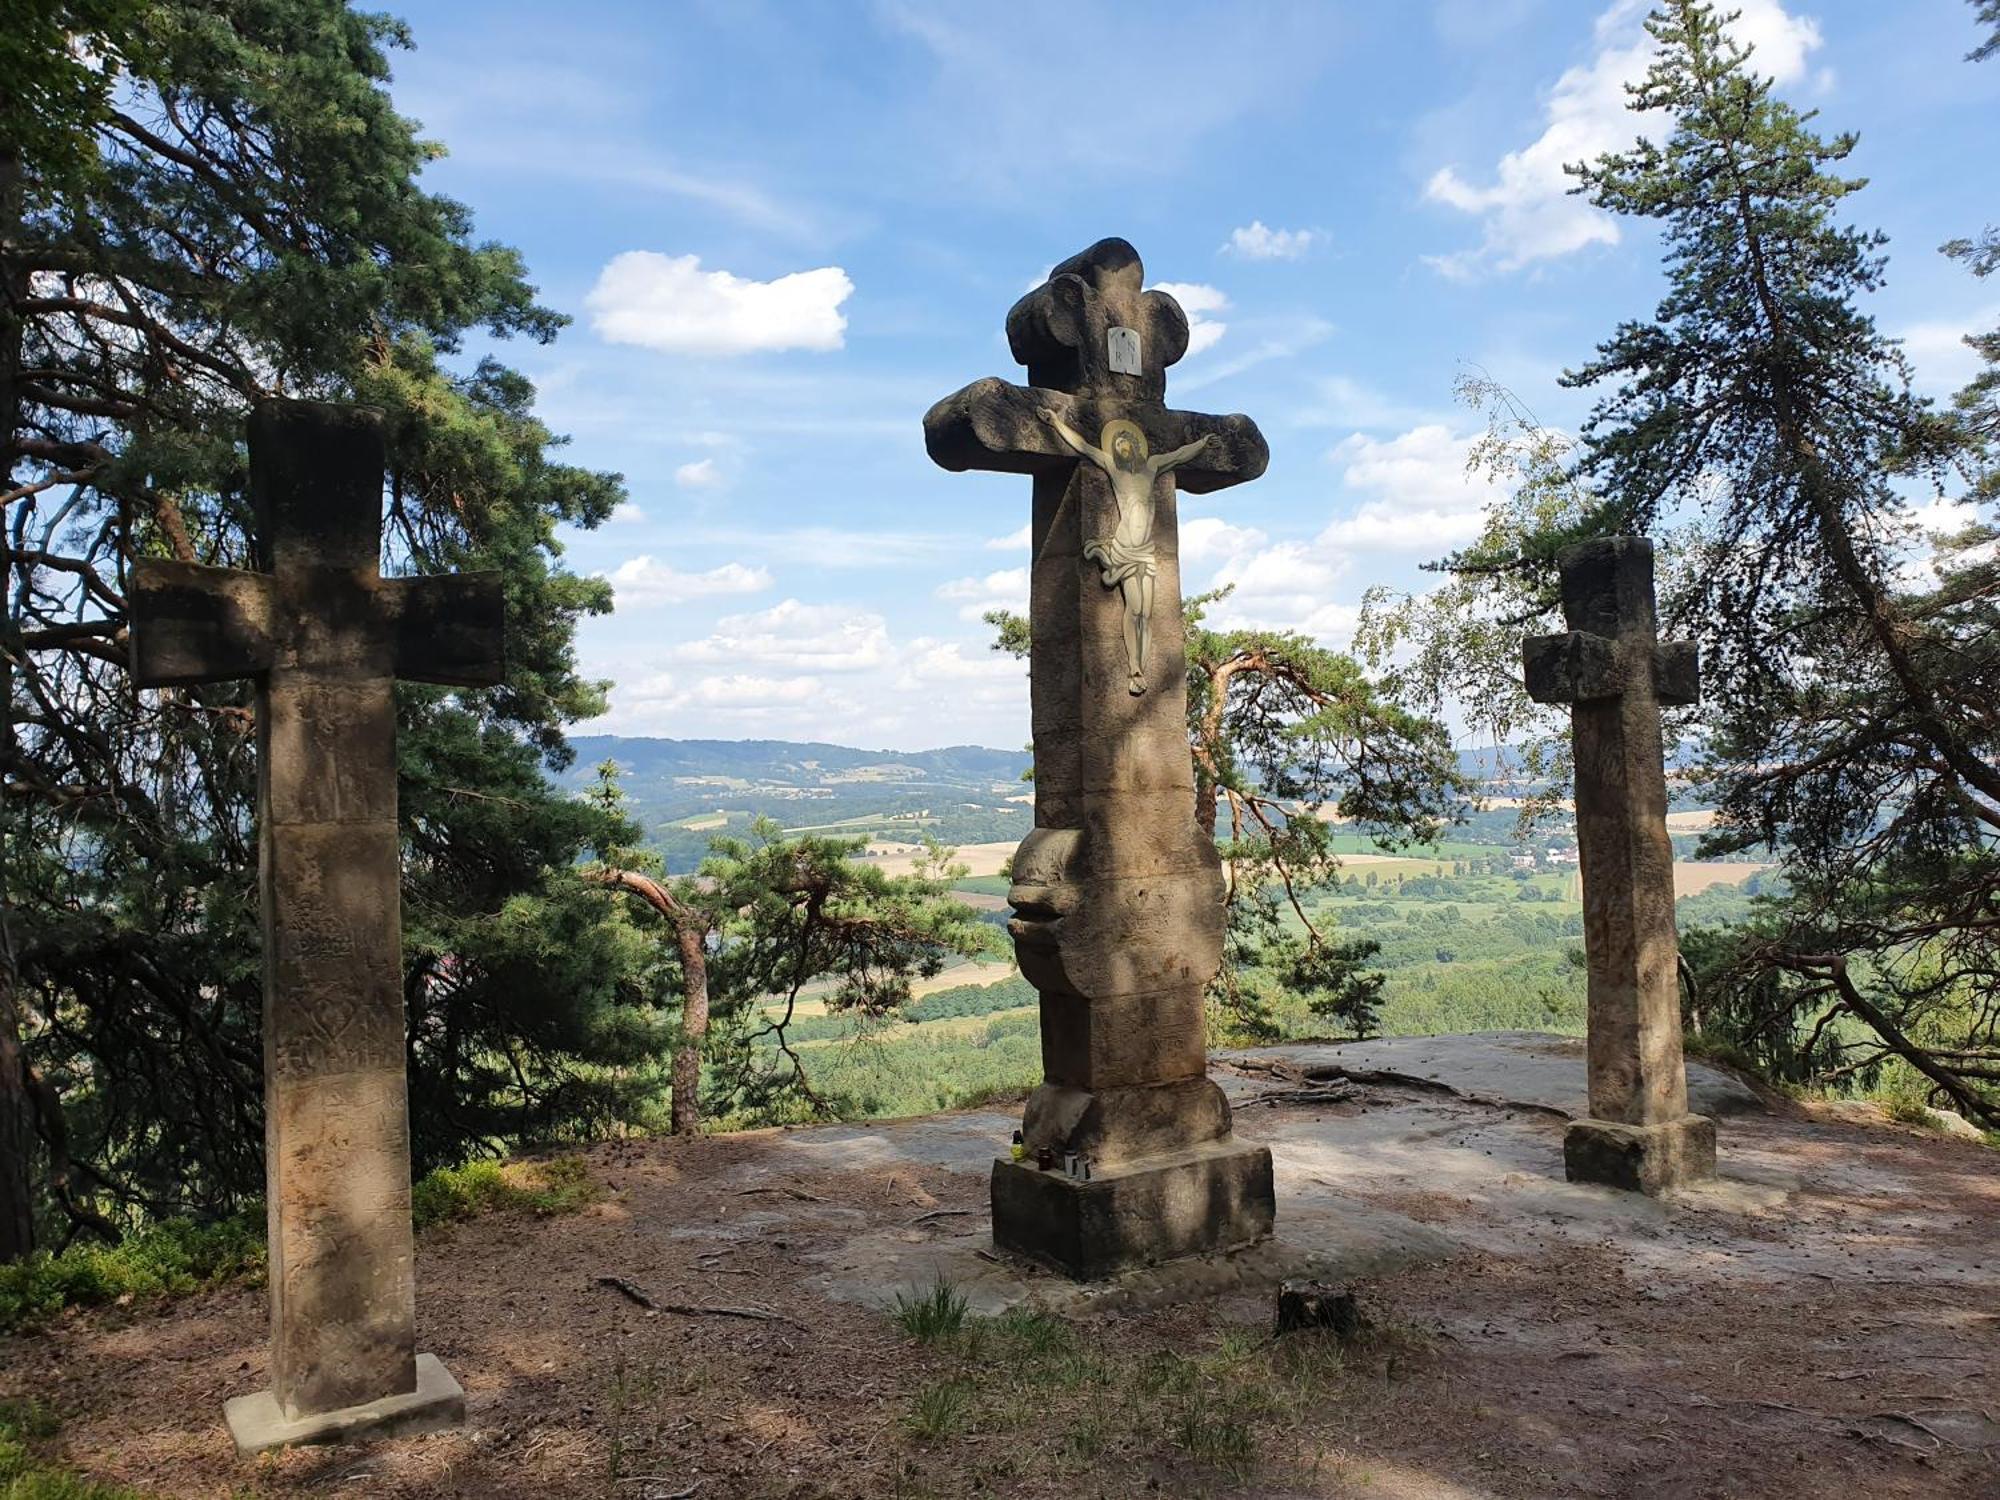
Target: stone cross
<point x="1614" y="672"/>
<point x="1117" y="892"/>
<point x="326" y="636"/>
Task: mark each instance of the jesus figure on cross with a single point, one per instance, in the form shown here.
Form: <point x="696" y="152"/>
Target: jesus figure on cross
<point x="1126" y="556"/>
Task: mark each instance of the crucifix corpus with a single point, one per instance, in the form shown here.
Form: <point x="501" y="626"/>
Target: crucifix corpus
<point x="1614" y="672"/>
<point x="325" y="636"/>
<point x="1117" y="891"/>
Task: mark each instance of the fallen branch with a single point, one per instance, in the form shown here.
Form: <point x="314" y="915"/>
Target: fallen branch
<point x="941" y="1213"/>
<point x="630" y="1290"/>
<point x="754" y="1314"/>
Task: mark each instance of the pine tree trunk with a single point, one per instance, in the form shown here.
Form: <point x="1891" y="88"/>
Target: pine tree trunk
<point x="17" y="1221"/>
<point x="694" y="1028"/>
<point x="17" y="1218"/>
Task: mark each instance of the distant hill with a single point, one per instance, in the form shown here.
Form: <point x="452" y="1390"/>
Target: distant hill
<point x="686" y="792"/>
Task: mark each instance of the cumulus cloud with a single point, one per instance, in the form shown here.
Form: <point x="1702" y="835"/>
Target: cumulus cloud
<point x="1255" y="242"/>
<point x="801" y="637"/>
<point x="1419" y="497"/>
<point x="702" y="474"/>
<point x="639" y="581"/>
<point x="1199" y="302"/>
<point x="625" y="513"/>
<point x="668" y="302"/>
<point x="1005" y="589"/>
<point x="1208" y="537"/>
<point x="1527" y="211"/>
<point x="1013" y="541"/>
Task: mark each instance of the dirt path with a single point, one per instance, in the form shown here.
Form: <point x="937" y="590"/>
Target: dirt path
<point x="1827" y="1326"/>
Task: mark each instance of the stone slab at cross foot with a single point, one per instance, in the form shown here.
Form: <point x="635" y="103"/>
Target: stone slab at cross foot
<point x="325" y="636"/>
<point x="1117" y="892"/>
<point x="1614" y="672"/>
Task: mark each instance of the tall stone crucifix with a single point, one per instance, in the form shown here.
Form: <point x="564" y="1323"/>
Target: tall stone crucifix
<point x="325" y="636"/>
<point x="1117" y="892"/>
<point x="1614" y="672"/>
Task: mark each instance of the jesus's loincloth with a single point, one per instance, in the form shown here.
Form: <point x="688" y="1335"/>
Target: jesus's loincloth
<point x="1120" y="561"/>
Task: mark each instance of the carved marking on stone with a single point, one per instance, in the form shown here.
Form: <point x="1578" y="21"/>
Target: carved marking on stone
<point x="1124" y="351"/>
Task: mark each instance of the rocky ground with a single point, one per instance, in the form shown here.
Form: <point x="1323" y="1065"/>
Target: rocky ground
<point x="1823" y="1321"/>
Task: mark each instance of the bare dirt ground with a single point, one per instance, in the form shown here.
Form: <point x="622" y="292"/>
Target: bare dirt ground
<point x="1824" y="1322"/>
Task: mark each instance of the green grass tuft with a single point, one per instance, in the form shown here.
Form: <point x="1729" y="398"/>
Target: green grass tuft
<point x="24" y="1477"/>
<point x="1907" y="1111"/>
<point x="939" y="1410"/>
<point x="1219" y="1442"/>
<point x="542" y="1186"/>
<point x="936" y="1317"/>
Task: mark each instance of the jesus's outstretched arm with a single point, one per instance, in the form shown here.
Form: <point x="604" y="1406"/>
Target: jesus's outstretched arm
<point x="1173" y="460"/>
<point x="1074" y="440"/>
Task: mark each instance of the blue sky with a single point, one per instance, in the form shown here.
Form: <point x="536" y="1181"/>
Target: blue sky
<point x="785" y="229"/>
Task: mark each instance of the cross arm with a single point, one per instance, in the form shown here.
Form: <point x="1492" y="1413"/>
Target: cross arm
<point x="994" y="424"/>
<point x="1677" y="672"/>
<point x="447" y="628"/>
<point x="192" y="623"/>
<point x="1235" y="454"/>
<point x="1579" y="666"/>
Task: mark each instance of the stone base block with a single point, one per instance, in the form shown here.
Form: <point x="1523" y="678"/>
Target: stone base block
<point x="1640" y="1158"/>
<point x="258" y="1423"/>
<point x="1215" y="1197"/>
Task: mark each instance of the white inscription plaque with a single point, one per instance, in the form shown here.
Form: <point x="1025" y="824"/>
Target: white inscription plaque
<point x="1125" y="351"/>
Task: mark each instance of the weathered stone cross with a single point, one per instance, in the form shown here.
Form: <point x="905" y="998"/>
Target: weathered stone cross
<point x="1615" y="673"/>
<point x="325" y="635"/>
<point x="1117" y="892"/>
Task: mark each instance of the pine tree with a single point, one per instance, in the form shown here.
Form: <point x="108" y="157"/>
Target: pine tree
<point x="1851" y="714"/>
<point x="228" y="208"/>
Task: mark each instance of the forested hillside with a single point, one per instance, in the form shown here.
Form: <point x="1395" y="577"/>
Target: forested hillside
<point x="686" y="792"/>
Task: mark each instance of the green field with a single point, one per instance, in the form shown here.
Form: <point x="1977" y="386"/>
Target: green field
<point x="1479" y="952"/>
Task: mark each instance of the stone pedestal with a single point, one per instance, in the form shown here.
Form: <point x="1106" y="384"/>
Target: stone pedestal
<point x="1640" y="1158"/>
<point x="257" y="1423"/>
<point x="1212" y="1198"/>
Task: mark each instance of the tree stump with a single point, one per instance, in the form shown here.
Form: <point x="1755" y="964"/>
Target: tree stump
<point x="1314" y="1304"/>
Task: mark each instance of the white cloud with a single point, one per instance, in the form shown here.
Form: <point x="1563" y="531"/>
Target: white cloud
<point x="1205" y="537"/>
<point x="746" y="690"/>
<point x="933" y="661"/>
<point x="702" y="474"/>
<point x="1419" y="496"/>
<point x="1006" y="589"/>
<point x="815" y="637"/>
<point x="1255" y="242"/>
<point x="1528" y="212"/>
<point x="1198" y="302"/>
<point x="1286" y="585"/>
<point x="668" y="302"/>
<point x="1013" y="541"/>
<point x="1942" y="362"/>
<point x="639" y="581"/>
<point x="625" y="513"/>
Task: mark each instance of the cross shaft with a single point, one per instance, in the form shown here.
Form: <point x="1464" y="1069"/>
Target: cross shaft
<point x="325" y="637"/>
<point x="1615" y="673"/>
